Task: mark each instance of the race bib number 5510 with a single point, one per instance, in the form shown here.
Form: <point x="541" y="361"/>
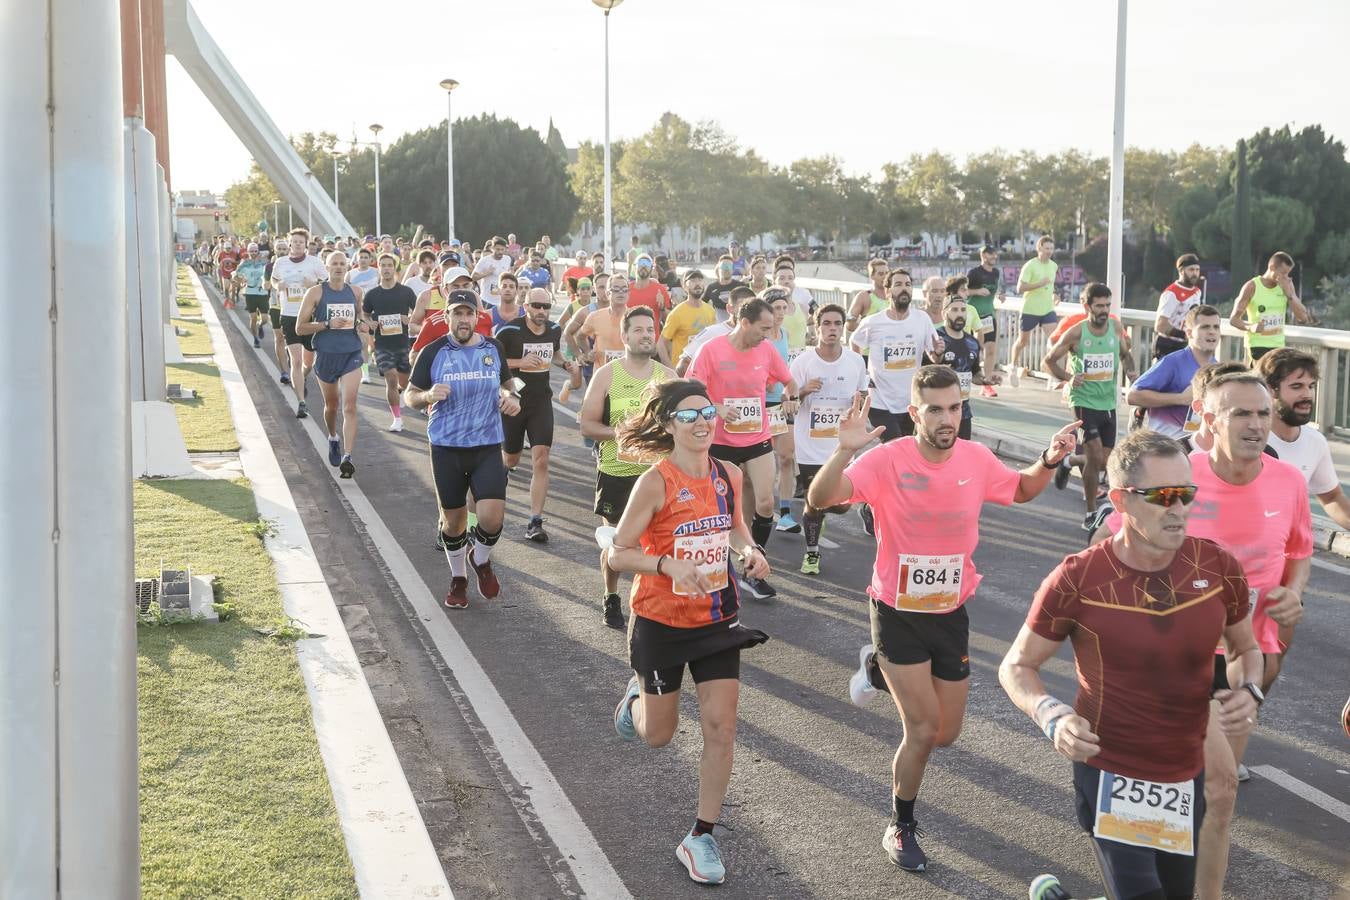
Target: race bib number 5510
<point x="1150" y="814"/>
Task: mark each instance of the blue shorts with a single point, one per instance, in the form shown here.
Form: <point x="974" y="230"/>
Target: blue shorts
<point x="1031" y="323"/>
<point x="329" y="367"/>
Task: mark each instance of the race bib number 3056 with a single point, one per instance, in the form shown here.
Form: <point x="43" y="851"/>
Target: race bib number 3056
<point x="710" y="552"/>
<point x="1149" y="814"/>
<point x="929" y="583"/>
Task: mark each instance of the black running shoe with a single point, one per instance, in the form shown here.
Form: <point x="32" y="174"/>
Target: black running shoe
<point x="346" y="468"/>
<point x="902" y="846"/>
<point x="535" y="530"/>
<point x="1062" y="473"/>
<point x="614" y="612"/>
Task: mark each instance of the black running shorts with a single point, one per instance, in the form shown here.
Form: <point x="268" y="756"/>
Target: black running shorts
<point x="457" y="470"/>
<point x="534" y="420"/>
<point x="909" y="638"/>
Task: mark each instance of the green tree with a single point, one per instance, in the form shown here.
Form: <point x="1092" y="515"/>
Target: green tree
<point x="928" y="186"/>
<point x="249" y="200"/>
<point x="586" y="177"/>
<point x="1333" y="253"/>
<point x="661" y="171"/>
<point x="1308" y="166"/>
<point x="1240" y="257"/>
<point x="1277" y="223"/>
<point x="985" y="189"/>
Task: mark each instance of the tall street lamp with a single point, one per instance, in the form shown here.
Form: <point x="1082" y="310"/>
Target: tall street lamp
<point x="449" y="85"/>
<point x="276" y="216"/>
<point x="376" y="129"/>
<point x="309" y="200"/>
<point x="337" y="200"/>
<point x="608" y="5"/>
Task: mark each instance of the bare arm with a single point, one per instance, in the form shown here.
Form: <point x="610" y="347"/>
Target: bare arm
<point x="1055" y="355"/>
<point x="419" y="312"/>
<point x="572" y="332"/>
<point x="1020" y="675"/>
<point x="590" y="418"/>
<point x="1296" y="306"/>
<point x="1337" y="506"/>
<point x="1239" y="317"/>
<point x="303" y="321"/>
<point x="1152" y="399"/>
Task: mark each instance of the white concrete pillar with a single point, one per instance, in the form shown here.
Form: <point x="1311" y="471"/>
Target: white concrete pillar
<point x="145" y="304"/>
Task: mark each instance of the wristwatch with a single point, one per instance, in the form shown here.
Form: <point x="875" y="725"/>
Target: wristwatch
<point x="1252" y="688"/>
<point x="1045" y="462"/>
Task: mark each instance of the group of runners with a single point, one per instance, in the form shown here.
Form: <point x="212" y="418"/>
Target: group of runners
<point x="712" y="403"/>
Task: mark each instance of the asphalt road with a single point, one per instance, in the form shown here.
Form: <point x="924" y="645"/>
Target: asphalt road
<point x="810" y="794"/>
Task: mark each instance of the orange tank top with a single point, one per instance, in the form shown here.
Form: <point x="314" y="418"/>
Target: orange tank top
<point x="695" y="522"/>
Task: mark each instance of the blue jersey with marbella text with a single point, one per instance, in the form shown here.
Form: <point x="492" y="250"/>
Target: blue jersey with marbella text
<point x="470" y="416"/>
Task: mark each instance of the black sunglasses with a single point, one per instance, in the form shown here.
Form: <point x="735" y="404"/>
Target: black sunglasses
<point x="541" y="306"/>
<point x="690" y="416"/>
<point x="1167" y="495"/>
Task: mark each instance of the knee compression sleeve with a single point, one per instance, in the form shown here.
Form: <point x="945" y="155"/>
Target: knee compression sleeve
<point x="483" y="536"/>
<point x="760" y="529"/>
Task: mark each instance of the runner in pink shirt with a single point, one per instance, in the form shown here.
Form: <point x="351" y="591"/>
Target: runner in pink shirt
<point x="926" y="493"/>
<point x="1256" y="508"/>
<point x="737" y="370"/>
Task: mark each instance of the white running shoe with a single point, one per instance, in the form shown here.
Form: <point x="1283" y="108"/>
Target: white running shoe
<point x="396" y="425"/>
<point x="1014" y="379"/>
<point x="860" y="689"/>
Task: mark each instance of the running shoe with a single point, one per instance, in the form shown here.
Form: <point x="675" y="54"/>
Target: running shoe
<point x="535" y="530"/>
<point x="614" y="612"/>
<point x="1100" y="516"/>
<point x="901" y="844"/>
<point x="365" y="375"/>
<point x="1244" y="774"/>
<point x="701" y="858"/>
<point x="1062" y="472"/>
<point x="987" y="390"/>
<point x="788" y="524"/>
<point x="257" y="342"/>
<point x="347" y="468"/>
<point x="261" y="333"/>
<point x="869" y="524"/>
<point x="811" y="563"/>
<point x="623" y="713"/>
<point x="1089" y="519"/>
<point x="757" y="588"/>
<point x="488" y="585"/>
<point x="458" y="595"/>
<point x="1013" y="378"/>
<point x="285" y="377"/>
<point x="334" y="451"/>
<point x="397" y="424"/>
<point x="1047" y="887"/>
<point x="860" y="688"/>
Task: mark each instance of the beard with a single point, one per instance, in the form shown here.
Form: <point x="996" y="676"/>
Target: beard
<point x="902" y="302"/>
<point x="1291" y="416"/>
<point x="697" y="294"/>
<point x="957" y="325"/>
<point x="943" y="440"/>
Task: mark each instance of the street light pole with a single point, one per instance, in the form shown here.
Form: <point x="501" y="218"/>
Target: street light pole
<point x="337" y="198"/>
<point x="377" y="129"/>
<point x="607" y="6"/>
<point x="309" y="200"/>
<point x="449" y="85"/>
<point x="276" y="216"/>
<point x="1116" y="228"/>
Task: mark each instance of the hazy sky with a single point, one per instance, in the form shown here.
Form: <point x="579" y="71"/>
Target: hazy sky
<point x="869" y="82"/>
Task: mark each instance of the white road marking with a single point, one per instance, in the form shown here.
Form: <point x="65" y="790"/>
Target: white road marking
<point x="391" y="851"/>
<point x="1317" y="798"/>
<point x="1330" y="567"/>
<point x="564" y="825"/>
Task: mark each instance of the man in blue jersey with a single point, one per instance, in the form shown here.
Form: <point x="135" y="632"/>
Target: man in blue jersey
<point x="464" y="379"/>
<point x="1165" y="389"/>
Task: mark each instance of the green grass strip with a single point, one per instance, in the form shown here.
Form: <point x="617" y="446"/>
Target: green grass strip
<point x="205" y="419"/>
<point x="235" y="801"/>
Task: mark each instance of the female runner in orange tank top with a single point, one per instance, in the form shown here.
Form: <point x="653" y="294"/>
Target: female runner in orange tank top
<point x="679" y="533"/>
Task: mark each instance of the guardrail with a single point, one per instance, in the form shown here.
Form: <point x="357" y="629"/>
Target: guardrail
<point x="1331" y="347"/>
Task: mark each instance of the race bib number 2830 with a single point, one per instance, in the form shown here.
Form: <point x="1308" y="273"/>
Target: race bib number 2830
<point x="1159" y="816"/>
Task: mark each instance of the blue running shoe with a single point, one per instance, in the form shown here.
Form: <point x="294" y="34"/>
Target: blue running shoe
<point x="334" y="451"/>
<point x="789" y="524"/>
<point x="623" y="713"/>
<point x="701" y="858"/>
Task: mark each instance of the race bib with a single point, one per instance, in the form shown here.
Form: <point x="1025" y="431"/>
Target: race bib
<point x="987" y="323"/>
<point x="710" y="553"/>
<point x="1099" y="366"/>
<point x="778" y="423"/>
<point x="543" y="351"/>
<point x="929" y="583"/>
<point x="1270" y="324"/>
<point x="899" y="355"/>
<point x="391" y="324"/>
<point x="1192" y="423"/>
<point x="1149" y="814"/>
<point x="793" y="354"/>
<point x="611" y="355"/>
<point x="295" y="292"/>
<point x="965" y="379"/>
<point x="751" y="415"/>
<point x="824" y="422"/>
<point x="342" y="312"/>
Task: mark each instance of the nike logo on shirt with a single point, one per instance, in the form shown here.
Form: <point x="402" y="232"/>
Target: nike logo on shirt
<point x="1270" y="512"/>
<point x="963" y="481"/>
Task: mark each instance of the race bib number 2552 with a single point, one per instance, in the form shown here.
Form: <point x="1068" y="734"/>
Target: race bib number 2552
<point x="1159" y="816"/>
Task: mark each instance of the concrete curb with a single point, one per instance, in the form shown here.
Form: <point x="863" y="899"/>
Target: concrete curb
<point x="387" y="841"/>
<point x="1023" y="449"/>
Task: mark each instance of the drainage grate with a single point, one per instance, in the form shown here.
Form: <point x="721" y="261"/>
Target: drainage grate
<point x="147" y="592"/>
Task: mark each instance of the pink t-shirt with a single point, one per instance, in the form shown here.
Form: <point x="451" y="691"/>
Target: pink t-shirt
<point x="928" y="519"/>
<point x="1263" y="523"/>
<point x="740" y="378"/>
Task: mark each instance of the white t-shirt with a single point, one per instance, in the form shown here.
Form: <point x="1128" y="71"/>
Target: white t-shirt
<point x="364" y="279"/>
<point x="717" y="329"/>
<point x="1175" y="305"/>
<point x="298" y="277"/>
<point x="494" y="269"/>
<point x="895" y="350"/>
<point x="1309" y="454"/>
<point x="418" y="284"/>
<point x="816" y="430"/>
